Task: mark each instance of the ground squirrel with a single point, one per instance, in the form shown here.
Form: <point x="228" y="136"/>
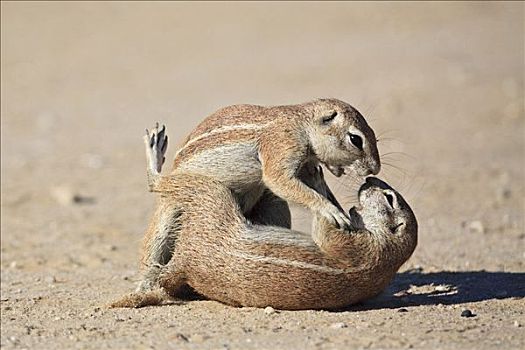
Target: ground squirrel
<point x="249" y="148"/>
<point x="259" y="153"/>
<point x="225" y="257"/>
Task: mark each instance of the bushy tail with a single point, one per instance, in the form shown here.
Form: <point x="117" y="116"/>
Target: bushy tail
<point x="141" y="299"/>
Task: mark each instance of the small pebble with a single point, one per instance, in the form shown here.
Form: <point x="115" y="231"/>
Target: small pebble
<point x="269" y="310"/>
<point x="199" y="338"/>
<point x="50" y="279"/>
<point x="182" y="337"/>
<point x="338" y="325"/>
<point x="504" y="193"/>
<point x="467" y="313"/>
<point x="417" y="268"/>
<point x="476" y="227"/>
<point x="65" y="196"/>
<point x="402" y="310"/>
<point x="79" y="199"/>
<point x="517" y="324"/>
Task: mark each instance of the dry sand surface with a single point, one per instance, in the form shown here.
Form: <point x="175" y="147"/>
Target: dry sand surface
<point x="441" y="83"/>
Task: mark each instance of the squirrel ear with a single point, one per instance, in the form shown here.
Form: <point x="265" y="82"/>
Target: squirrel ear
<point x="328" y="117"/>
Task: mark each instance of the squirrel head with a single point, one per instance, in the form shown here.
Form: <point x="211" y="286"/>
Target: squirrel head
<point x="384" y="213"/>
<point x="341" y="138"/>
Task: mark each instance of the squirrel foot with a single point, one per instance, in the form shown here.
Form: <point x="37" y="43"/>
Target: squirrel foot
<point x="156" y="143"/>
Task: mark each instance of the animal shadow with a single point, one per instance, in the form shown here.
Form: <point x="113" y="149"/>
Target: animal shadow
<point x="414" y="288"/>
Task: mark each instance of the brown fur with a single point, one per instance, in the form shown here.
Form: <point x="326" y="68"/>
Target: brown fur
<point x="259" y="153"/>
<point x="225" y="258"/>
<point x="288" y="138"/>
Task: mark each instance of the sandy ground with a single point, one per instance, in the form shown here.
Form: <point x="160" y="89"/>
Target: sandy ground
<point x="441" y="83"/>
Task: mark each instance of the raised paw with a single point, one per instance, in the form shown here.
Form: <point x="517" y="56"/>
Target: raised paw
<point x="156" y="143"/>
<point x="336" y="217"/>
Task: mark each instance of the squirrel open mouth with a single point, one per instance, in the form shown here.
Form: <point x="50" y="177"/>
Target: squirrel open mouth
<point x="393" y="229"/>
<point x="336" y="170"/>
<point x="355" y="218"/>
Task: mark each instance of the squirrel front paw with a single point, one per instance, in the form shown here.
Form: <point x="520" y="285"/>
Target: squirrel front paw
<point x="336" y="217"/>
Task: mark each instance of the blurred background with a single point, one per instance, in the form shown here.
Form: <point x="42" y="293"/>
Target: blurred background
<point x="442" y="84"/>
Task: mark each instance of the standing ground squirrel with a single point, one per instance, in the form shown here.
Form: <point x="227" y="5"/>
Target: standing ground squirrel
<point x="225" y="257"/>
<point x="248" y="148"/>
<point x="259" y="153"/>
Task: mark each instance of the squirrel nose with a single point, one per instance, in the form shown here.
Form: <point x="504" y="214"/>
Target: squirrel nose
<point x="371" y="169"/>
<point x="364" y="172"/>
<point x="374" y="168"/>
<point x="374" y="181"/>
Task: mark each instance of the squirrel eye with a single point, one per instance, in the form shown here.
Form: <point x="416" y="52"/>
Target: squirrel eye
<point x="321" y="172"/>
<point x="329" y="118"/>
<point x="390" y="199"/>
<point x="356" y="141"/>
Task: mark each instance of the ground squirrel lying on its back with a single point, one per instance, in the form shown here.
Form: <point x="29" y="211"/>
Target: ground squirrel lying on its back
<point x="259" y="153"/>
<point x="224" y="257"/>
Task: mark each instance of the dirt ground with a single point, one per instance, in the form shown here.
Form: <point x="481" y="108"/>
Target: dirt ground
<point x="441" y="83"/>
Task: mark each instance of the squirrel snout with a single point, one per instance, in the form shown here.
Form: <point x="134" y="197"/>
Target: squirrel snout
<point x="369" y="168"/>
<point x="365" y="172"/>
<point x="374" y="168"/>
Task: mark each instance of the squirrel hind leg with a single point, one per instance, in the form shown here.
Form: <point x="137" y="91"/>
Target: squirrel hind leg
<point x="172" y="280"/>
<point x="159" y="245"/>
<point x="167" y="229"/>
<point x="163" y="286"/>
